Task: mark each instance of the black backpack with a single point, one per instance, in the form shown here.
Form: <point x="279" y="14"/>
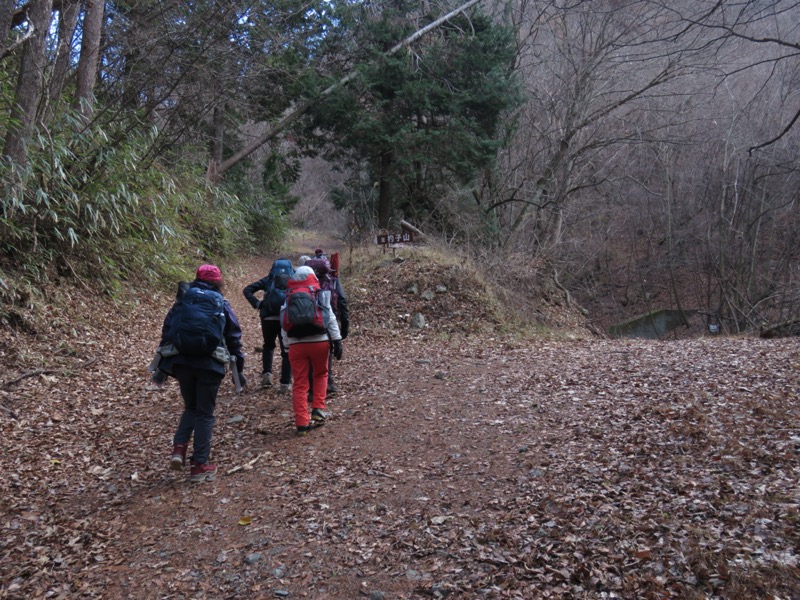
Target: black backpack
<point x="275" y="295"/>
<point x="197" y="325"/>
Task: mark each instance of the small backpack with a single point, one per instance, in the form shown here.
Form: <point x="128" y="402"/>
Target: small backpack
<point x="275" y="295"/>
<point x="320" y="265"/>
<point x="303" y="315"/>
<point x="197" y="326"/>
<point x="327" y="279"/>
<point x="275" y="292"/>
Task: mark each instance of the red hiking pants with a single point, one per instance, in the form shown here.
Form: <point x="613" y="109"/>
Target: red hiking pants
<point x="303" y="355"/>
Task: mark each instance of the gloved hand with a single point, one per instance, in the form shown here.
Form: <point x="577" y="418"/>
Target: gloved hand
<point x="337" y="349"/>
<point x="159" y="377"/>
<point x="344" y="329"/>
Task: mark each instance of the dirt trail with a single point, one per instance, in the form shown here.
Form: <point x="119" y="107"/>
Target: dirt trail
<point x="451" y="466"/>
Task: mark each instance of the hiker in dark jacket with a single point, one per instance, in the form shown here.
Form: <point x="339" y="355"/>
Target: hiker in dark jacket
<point x="199" y="378"/>
<point x="270" y="323"/>
<point x="343" y="316"/>
<point x="325" y="273"/>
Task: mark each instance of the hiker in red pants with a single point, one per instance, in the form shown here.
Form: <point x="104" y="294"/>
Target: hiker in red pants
<point x="309" y="330"/>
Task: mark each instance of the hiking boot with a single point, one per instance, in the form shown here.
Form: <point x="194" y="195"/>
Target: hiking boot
<point x="178" y="458"/>
<point x="303" y="430"/>
<point x="202" y="472"/>
<point x="317" y="416"/>
<point x="332" y="390"/>
<point x="266" y="379"/>
<point x="285" y="388"/>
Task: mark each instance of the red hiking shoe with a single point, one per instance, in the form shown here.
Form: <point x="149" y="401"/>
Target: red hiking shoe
<point x="204" y="472"/>
<point x="178" y="458"/>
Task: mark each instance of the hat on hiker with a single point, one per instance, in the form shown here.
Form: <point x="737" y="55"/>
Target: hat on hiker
<point x="209" y="274"/>
<point x="303" y="260"/>
<point x="302" y="272"/>
<point x="318" y="252"/>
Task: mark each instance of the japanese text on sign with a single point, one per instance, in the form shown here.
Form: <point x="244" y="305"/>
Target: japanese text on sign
<point x="395" y="238"/>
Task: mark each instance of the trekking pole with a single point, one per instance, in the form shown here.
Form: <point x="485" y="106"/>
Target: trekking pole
<point x="153" y="366"/>
<point x="235" y="372"/>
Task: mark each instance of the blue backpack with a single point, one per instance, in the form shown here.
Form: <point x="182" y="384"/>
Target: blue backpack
<point x="275" y="294"/>
<point x="282" y="266"/>
<point x="197" y="325"/>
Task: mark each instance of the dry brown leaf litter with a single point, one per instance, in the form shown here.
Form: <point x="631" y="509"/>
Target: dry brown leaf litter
<point x="452" y="466"/>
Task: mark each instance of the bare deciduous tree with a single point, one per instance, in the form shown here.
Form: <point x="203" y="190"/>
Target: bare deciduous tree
<point x="590" y="72"/>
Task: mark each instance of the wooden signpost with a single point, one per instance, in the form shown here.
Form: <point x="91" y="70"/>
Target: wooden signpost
<point x="399" y="239"/>
<point x="387" y="239"/>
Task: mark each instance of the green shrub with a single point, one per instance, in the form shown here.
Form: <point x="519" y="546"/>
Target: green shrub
<point x="90" y="208"/>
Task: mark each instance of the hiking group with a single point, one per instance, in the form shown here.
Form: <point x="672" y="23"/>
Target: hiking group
<point x="305" y="309"/>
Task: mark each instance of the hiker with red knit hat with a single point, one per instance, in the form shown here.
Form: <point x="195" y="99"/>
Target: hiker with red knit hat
<point x="309" y="330"/>
<point x="200" y="336"/>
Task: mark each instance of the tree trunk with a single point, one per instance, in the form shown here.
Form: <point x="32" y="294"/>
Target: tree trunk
<point x="66" y="29"/>
<point x="385" y="192"/>
<point x="6" y="14"/>
<point x="29" y="84"/>
<point x="217" y="143"/>
<point x="669" y="201"/>
<point x="90" y="57"/>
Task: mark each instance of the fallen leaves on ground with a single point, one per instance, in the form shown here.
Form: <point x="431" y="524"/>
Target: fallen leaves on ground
<point x="452" y="464"/>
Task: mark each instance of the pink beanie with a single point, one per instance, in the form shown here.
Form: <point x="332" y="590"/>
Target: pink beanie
<point x="209" y="273"/>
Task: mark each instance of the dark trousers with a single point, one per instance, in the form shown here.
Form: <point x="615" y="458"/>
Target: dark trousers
<point x="199" y="389"/>
<point x="271" y="329"/>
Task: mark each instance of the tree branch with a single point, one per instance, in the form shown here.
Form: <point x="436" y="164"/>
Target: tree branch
<point x="777" y="137"/>
<point x="292" y="113"/>
<point x="6" y="51"/>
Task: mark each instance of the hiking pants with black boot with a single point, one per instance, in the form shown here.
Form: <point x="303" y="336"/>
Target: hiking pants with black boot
<point x="271" y="329"/>
<point x="307" y="357"/>
<point x="331" y="389"/>
<point x="199" y="389"/>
